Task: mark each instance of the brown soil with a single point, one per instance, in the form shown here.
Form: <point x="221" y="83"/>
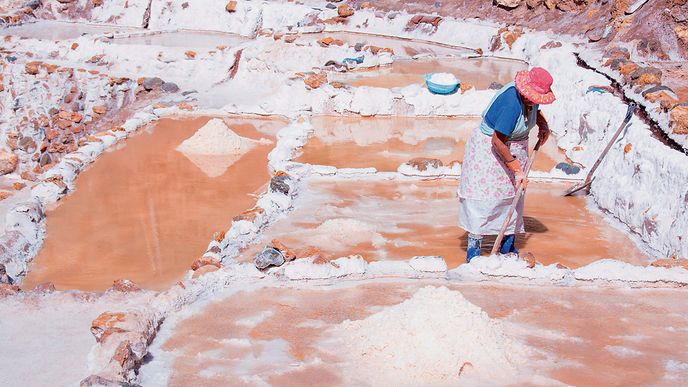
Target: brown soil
<point x="145" y="211"/>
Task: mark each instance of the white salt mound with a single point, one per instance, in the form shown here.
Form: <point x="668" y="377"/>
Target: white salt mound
<point x="215" y="147"/>
<point x="215" y="138"/>
<point x="444" y="79"/>
<point x="426" y="340"/>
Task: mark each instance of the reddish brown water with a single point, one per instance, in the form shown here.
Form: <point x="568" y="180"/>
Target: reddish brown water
<point x="190" y="39"/>
<point x="384" y="143"/>
<point x="276" y="333"/>
<point x="401" y="47"/>
<point x="145" y="212"/>
<point x="402" y="219"/>
<point x="56" y="30"/>
<point x="479" y="72"/>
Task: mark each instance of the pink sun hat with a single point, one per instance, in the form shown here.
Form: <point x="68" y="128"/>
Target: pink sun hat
<point x="536" y="85"/>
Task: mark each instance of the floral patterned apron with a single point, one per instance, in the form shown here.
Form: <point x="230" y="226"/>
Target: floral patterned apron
<point x="486" y="188"/>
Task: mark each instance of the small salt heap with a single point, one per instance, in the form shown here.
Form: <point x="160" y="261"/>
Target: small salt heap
<point x="215" y="147"/>
<point x="444" y="79"/>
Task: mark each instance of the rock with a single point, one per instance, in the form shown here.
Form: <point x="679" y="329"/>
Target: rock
<point x="290" y="38"/>
<point x="678" y="119"/>
<point x="18" y="185"/>
<point x="4" y="277"/>
<point x="423" y="164"/>
<point x="567" y="168"/>
<point x="359" y="46"/>
<point x="45" y="287"/>
<point x="627" y="148"/>
<point x="125" y="286"/>
<point x="151" y="83"/>
<point x="7" y="290"/>
<point x="204" y="261"/>
<point x="508" y="3"/>
<point x="280" y="184"/>
<point x="4" y="194"/>
<point x="682" y="33"/>
<point x="344" y="10"/>
<point x="530" y="260"/>
<point x="8" y="162"/>
<point x="106" y="324"/>
<point x="27" y="144"/>
<point x="231" y="6"/>
<point x="551" y="44"/>
<point x="185" y="106"/>
<point x="287" y="253"/>
<point x="376" y="50"/>
<point x="627" y="68"/>
<point x="201" y="271"/>
<point x="169" y="87"/>
<point x="249" y="215"/>
<point x="100" y="109"/>
<point x="330" y="6"/>
<point x="646" y="76"/>
<point x="663" y="97"/>
<point x="45" y="159"/>
<point x="465" y="86"/>
<point x="124" y="355"/>
<point x="670" y="262"/>
<point x="97" y="3"/>
<point x="268" y="257"/>
<point x="495" y="86"/>
<point x="32" y="68"/>
<point x="326" y="41"/>
<point x="219" y="236"/>
<point x="314" y="81"/>
<point x="617" y="53"/>
<point x="417" y="20"/>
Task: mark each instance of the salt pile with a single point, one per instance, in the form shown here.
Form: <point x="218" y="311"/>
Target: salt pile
<point x="444" y="79"/>
<point x="215" y="138"/>
<point x="215" y="147"/>
<point x="427" y="340"/>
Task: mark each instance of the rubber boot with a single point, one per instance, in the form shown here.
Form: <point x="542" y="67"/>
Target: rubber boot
<point x="508" y="245"/>
<point x="474" y="243"/>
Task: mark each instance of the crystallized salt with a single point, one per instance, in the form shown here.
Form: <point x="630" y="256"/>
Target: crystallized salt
<point x="427" y="340"/>
<point x="444" y="79"/>
<point x="215" y="138"/>
<point x="215" y="147"/>
<point x="339" y="233"/>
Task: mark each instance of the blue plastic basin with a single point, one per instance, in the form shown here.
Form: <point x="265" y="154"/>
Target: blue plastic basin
<point x="438" y="88"/>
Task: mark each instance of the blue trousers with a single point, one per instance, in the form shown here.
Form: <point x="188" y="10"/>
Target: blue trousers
<point x="475" y="242"/>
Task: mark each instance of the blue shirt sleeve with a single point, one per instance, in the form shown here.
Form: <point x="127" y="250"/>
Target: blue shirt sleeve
<point x="504" y="113"/>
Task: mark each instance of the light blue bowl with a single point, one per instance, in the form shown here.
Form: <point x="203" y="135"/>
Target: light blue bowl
<point x="440" y="89"/>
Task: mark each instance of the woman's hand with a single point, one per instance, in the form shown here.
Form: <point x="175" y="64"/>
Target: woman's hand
<point x="543" y="128"/>
<point x="519" y="176"/>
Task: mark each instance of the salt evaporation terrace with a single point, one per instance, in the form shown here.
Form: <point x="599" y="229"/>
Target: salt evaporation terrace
<point x="151" y="149"/>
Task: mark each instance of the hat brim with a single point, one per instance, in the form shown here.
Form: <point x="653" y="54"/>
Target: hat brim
<point x="531" y="94"/>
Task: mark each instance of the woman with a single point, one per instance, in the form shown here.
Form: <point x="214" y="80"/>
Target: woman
<point x="495" y="156"/>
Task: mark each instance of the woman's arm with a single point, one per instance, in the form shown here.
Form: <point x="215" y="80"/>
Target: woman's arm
<point x="499" y="145"/>
<point x="543" y="128"/>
